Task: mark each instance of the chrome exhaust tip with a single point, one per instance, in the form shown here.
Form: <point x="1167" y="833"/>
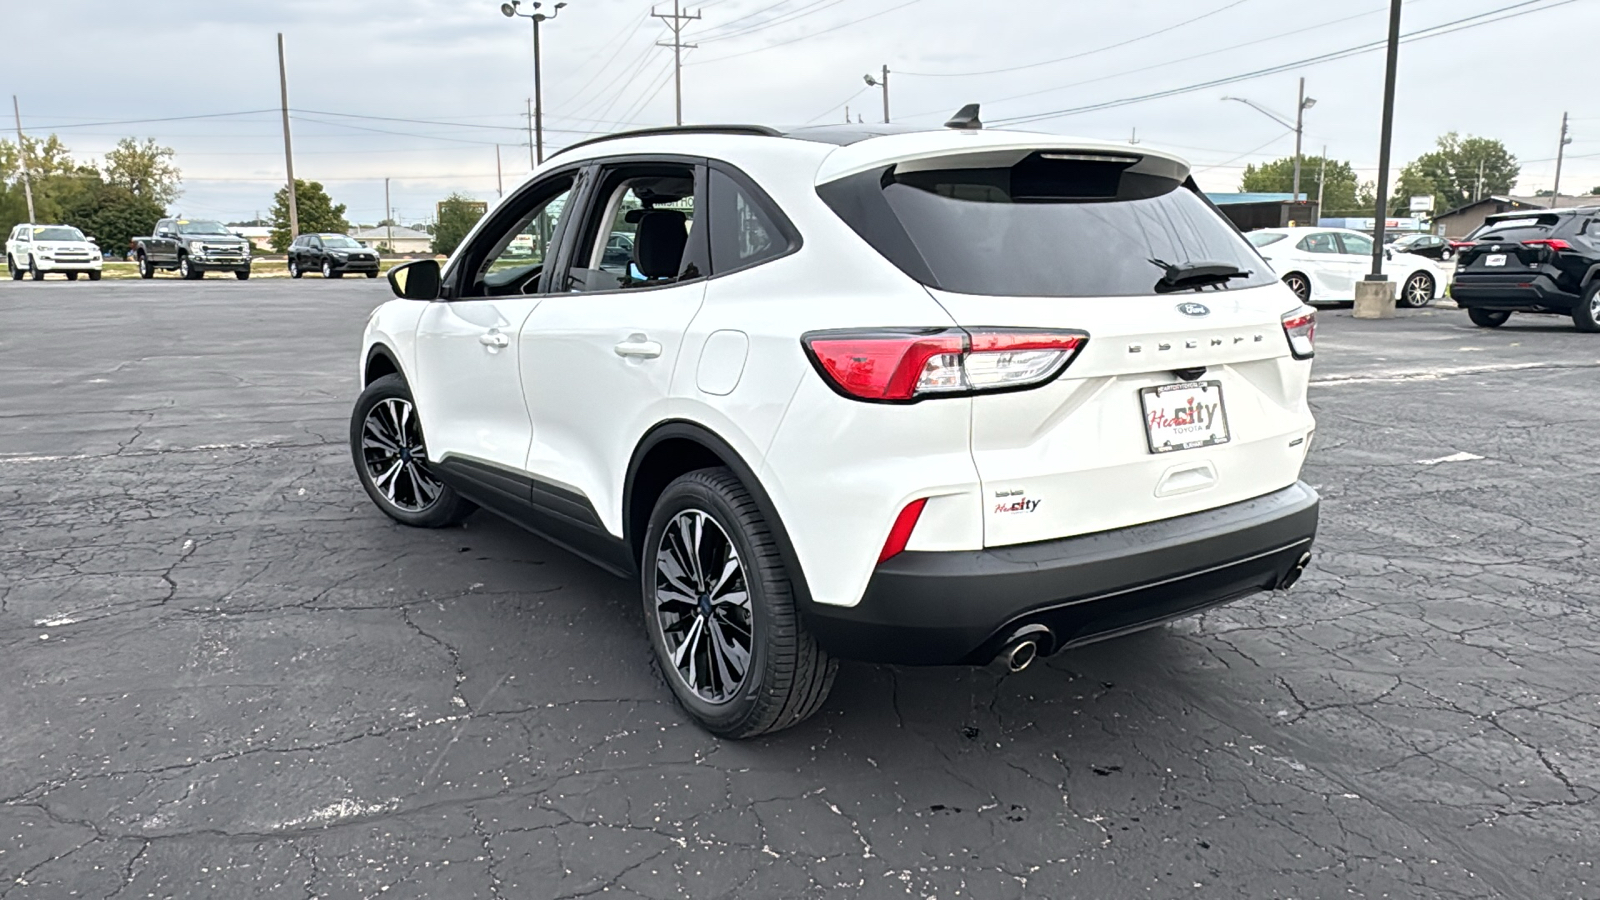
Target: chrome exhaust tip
<point x="1295" y="573"/>
<point x="1020" y="655"/>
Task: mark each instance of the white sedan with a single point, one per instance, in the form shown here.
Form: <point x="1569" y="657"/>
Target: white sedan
<point x="1323" y="265"/>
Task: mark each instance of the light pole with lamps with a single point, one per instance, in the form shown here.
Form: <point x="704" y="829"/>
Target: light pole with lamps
<point x="511" y="10"/>
<point x="1298" y="125"/>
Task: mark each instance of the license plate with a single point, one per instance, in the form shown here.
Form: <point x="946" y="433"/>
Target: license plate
<point x="1495" y="259"/>
<point x="1185" y="415"/>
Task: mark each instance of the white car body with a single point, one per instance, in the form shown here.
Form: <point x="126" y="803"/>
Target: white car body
<point x="574" y="390"/>
<point x="1320" y="255"/>
<point x="27" y="250"/>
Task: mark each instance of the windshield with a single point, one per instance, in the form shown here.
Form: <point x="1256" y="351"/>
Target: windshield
<point x="1047" y="226"/>
<point x="1263" y="238"/>
<point x="58" y="233"/>
<point x="202" y="228"/>
<point x="339" y="241"/>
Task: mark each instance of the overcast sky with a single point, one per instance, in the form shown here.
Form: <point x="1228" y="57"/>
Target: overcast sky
<point x="79" y="66"/>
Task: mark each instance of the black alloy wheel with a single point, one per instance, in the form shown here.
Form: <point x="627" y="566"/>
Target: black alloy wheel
<point x="1300" y="284"/>
<point x="391" y="457"/>
<point x="720" y="610"/>
<point x="1417" y="292"/>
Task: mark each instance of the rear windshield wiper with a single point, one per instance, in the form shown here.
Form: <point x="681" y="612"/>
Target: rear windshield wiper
<point x="1192" y="276"/>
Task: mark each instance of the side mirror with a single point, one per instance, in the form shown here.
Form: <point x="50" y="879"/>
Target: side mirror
<point x="90" y="239"/>
<point x="417" y="280"/>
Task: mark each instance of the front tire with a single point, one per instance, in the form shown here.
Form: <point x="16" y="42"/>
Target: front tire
<point x="94" y="274"/>
<point x="1300" y="284"/>
<point x="1586" y="315"/>
<point x="1487" y="318"/>
<point x="391" y="459"/>
<point x="327" y="269"/>
<point x="34" y="271"/>
<point x="187" y="271"/>
<point x="72" y="276"/>
<point x="242" y="275"/>
<point x="720" y="611"/>
<point x="372" y="274"/>
<point x="1417" y="292"/>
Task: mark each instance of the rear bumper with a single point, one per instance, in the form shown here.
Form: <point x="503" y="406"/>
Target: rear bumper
<point x="941" y="608"/>
<point x="1513" y="292"/>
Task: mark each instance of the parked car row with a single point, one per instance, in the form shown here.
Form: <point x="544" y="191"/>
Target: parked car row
<point x="1323" y="265"/>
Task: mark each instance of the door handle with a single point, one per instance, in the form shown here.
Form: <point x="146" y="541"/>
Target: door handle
<point x="638" y="346"/>
<point x="494" y="340"/>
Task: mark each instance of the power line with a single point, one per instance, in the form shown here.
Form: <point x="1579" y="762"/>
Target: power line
<point x="805" y="37"/>
<point x="1060" y="59"/>
<point x="830" y="109"/>
<point x="793" y="15"/>
<point x="248" y="112"/>
<point x="1421" y="34"/>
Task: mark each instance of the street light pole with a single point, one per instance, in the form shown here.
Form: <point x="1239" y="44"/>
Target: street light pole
<point x="1302" y="104"/>
<point x="511" y="10"/>
<point x="873" y="82"/>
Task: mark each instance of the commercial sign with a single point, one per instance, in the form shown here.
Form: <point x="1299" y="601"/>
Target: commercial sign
<point x="1422" y="204"/>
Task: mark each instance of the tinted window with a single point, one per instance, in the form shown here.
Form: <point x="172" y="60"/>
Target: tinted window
<point x="1319" y="243"/>
<point x="1263" y="238"/>
<point x="640" y="231"/>
<point x="743" y="232"/>
<point x="1357" y="244"/>
<point x="1051" y="225"/>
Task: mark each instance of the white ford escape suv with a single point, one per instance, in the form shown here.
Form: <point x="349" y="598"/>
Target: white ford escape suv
<point x="912" y="397"/>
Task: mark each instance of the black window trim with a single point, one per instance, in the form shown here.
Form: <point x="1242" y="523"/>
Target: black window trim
<point x="596" y="177"/>
<point x="503" y="215"/>
<point x="762" y="199"/>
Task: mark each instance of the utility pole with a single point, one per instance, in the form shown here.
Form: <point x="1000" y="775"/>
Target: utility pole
<point x="1478" y="195"/>
<point x="1134" y="137"/>
<point x="388" y="215"/>
<point x="22" y="151"/>
<point x="676" y="22"/>
<point x="1299" y="128"/>
<point x="288" y="148"/>
<point x="1322" y="177"/>
<point x="499" y="175"/>
<point x="874" y="82"/>
<point x="532" y="164"/>
<point x="1561" y="151"/>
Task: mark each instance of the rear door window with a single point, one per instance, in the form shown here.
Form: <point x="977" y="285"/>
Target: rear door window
<point x="1356" y="244"/>
<point x="1052" y="224"/>
<point x="1319" y="243"/>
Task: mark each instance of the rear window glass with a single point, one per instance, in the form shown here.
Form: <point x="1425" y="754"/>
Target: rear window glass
<point x="1518" y="232"/>
<point x="1263" y="238"/>
<point x="1052" y="225"/>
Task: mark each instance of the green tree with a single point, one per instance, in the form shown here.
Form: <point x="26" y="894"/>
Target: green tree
<point x="1450" y="173"/>
<point x="1342" y="193"/>
<point x="53" y="175"/>
<point x="317" y="213"/>
<point x="146" y="170"/>
<point x="457" y="214"/>
<point x="111" y="213"/>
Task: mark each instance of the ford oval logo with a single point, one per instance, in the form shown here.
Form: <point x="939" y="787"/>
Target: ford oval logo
<point x="1194" y="309"/>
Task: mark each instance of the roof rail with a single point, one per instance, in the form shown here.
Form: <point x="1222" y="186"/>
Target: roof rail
<point x="751" y="130"/>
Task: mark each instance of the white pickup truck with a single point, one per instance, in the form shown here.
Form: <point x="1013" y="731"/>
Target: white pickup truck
<point x="38" y="249"/>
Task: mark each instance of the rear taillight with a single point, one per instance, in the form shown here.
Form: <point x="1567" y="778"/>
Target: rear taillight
<point x="1462" y="245"/>
<point x="1552" y="243"/>
<point x="903" y="366"/>
<point x="1300" y="327"/>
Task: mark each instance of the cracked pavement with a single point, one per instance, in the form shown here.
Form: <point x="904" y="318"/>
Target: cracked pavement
<point x="227" y="675"/>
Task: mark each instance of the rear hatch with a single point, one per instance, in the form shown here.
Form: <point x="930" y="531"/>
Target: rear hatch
<point x="1509" y="247"/>
<point x="1186" y="395"/>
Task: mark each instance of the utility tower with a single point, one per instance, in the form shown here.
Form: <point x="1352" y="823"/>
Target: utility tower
<point x="676" y="21"/>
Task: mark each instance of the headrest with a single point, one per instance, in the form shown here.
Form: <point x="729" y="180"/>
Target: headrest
<point x="658" y="245"/>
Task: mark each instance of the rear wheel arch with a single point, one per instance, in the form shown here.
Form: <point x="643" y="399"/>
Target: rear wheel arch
<point x="676" y="447"/>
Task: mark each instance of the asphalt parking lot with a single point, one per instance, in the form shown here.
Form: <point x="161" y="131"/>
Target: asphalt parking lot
<point x="227" y="675"/>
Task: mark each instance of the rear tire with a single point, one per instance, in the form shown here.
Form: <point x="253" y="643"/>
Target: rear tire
<point x="1417" y="292"/>
<point x="391" y="459"/>
<point x="11" y="266"/>
<point x="1487" y="318"/>
<point x="1300" y="284"/>
<point x="243" y="275"/>
<point x="72" y="276"/>
<point x="1586" y="315"/>
<point x="706" y="522"/>
<point x="146" y="270"/>
<point x="294" y="268"/>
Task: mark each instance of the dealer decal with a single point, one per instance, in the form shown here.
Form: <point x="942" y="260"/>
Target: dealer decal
<point x="1020" y="505"/>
